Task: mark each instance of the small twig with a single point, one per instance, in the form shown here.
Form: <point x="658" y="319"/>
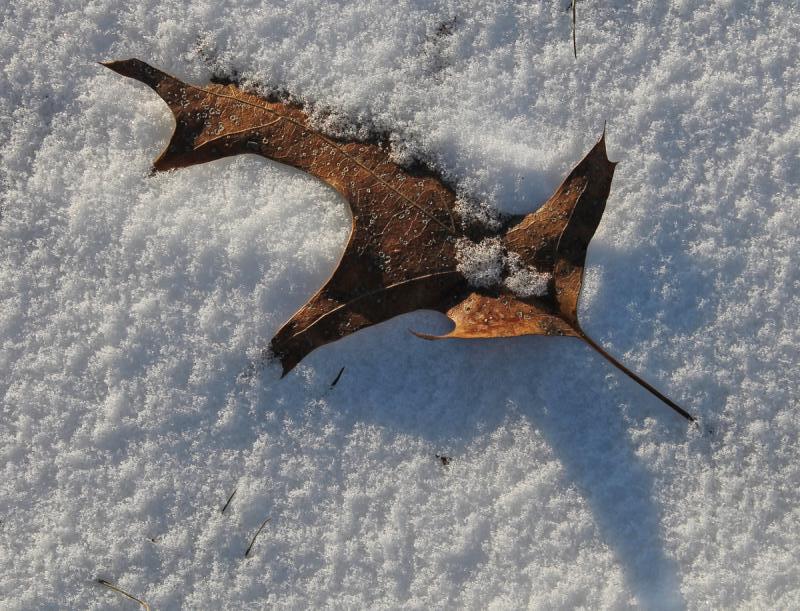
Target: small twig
<point x="336" y="379"/>
<point x="258" y="532"/>
<point x="574" y="41"/>
<point x="111" y="586"/>
<point x="228" y="502"/>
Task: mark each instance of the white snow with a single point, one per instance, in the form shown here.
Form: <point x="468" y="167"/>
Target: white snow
<point x="487" y="264"/>
<point x="477" y="213"/>
<point x="131" y="304"/>
<point x="524" y="280"/>
<point x="481" y="263"/>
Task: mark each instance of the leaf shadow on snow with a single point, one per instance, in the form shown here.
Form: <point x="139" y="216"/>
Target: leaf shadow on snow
<point x="591" y="441"/>
<point x="655" y="280"/>
<point x="446" y="392"/>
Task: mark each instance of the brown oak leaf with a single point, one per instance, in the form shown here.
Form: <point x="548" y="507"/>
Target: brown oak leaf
<point x="413" y="244"/>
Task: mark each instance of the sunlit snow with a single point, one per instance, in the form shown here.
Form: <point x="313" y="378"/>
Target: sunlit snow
<point x="132" y="308"/>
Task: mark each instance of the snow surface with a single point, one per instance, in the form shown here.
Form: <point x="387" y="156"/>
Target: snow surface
<point x="131" y="304"/>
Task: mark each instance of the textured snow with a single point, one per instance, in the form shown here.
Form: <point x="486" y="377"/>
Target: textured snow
<point x="487" y="264"/>
<point x="524" y="280"/>
<point x="482" y="215"/>
<point x="481" y="263"/>
<point x="130" y="304"/>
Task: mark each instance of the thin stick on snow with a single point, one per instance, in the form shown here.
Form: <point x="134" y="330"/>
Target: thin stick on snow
<point x="336" y="379"/>
<point x="258" y="532"/>
<point x="111" y="586"/>
<point x="574" y="41"/>
<point x="228" y="502"/>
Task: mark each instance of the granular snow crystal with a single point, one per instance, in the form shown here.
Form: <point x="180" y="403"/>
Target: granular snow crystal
<point x="482" y="264"/>
<point x="524" y="280"/>
<point x="486" y="264"/>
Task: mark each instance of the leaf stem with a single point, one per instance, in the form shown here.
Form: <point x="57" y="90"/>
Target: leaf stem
<point x="637" y="379"/>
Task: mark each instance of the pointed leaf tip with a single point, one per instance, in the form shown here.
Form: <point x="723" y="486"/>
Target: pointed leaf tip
<point x="426" y="336"/>
<point x="601" y="147"/>
<point x="120" y="66"/>
<point x="138" y="70"/>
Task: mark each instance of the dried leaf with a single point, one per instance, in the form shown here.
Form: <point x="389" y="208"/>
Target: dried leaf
<point x="403" y="251"/>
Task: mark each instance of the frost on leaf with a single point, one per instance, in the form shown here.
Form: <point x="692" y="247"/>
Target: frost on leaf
<point x="524" y="280"/>
<point x="482" y="264"/>
<point x="403" y="152"/>
<point x="487" y="264"/>
<point x="477" y="213"/>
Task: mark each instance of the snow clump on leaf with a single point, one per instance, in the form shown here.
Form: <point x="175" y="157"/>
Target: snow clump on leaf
<point x="525" y="281"/>
<point x="482" y="264"/>
<point x="486" y="264"/>
<point x="479" y="213"/>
